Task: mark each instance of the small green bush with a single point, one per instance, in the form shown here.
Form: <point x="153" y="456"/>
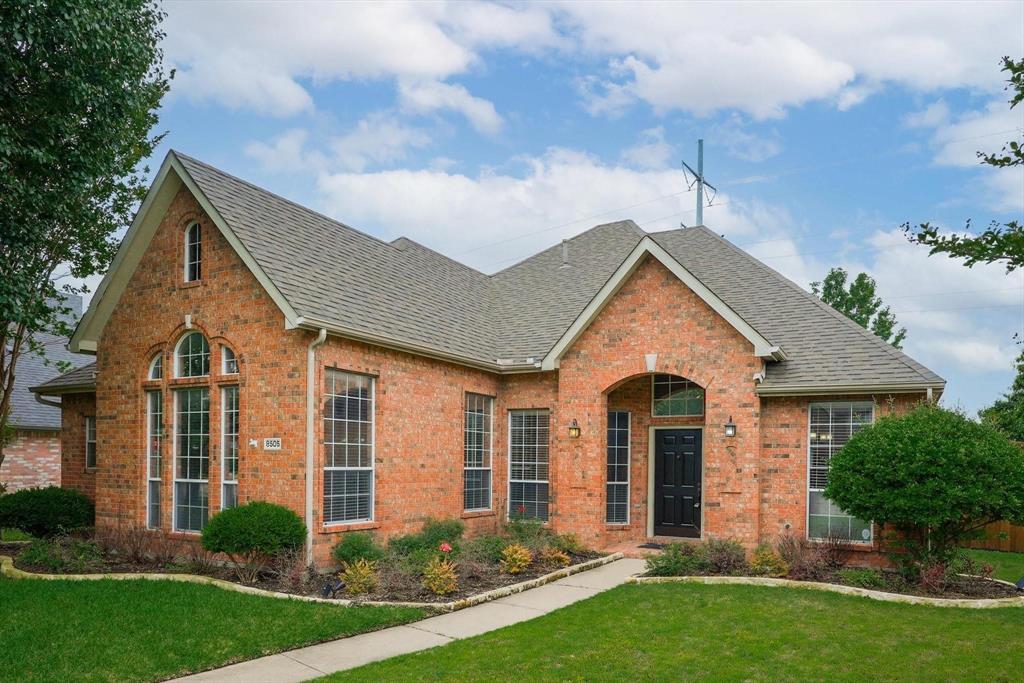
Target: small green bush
<point x="439" y="576"/>
<point x="862" y="578"/>
<point x="569" y="544"/>
<point x="529" y="532"/>
<point x="725" y="557"/>
<point x="360" y="576"/>
<point x="46" y="512"/>
<point x="678" y="559"/>
<point x="484" y="549"/>
<point x="253" y="534"/>
<point x="62" y="555"/>
<point x="435" y="532"/>
<point x="357" y="545"/>
<point x="768" y="562"/>
<point x="515" y="559"/>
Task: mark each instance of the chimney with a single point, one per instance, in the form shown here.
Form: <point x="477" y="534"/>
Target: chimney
<point x="565" y="253"/>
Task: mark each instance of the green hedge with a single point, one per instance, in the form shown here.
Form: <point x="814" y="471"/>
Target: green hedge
<point x="46" y="512"/>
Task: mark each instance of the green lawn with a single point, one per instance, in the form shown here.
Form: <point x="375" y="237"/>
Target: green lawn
<point x="686" y="632"/>
<point x="1008" y="566"/>
<point x="150" y="630"/>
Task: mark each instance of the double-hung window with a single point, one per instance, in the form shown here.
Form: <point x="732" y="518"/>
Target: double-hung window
<point x="477" y="445"/>
<point x="154" y="456"/>
<point x="831" y="426"/>
<point x="617" y="507"/>
<point x="348" y="447"/>
<point x="229" y="447"/>
<point x="192" y="458"/>
<point x="528" y="435"/>
<point x="90" y="442"/>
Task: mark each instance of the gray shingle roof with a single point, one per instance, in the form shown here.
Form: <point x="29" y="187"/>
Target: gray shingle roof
<point x="81" y="378"/>
<point x="32" y="369"/>
<point x="409" y="294"/>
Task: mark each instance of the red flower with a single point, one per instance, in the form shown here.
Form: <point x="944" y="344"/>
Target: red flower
<point x="445" y="547"/>
<point x="521" y="509"/>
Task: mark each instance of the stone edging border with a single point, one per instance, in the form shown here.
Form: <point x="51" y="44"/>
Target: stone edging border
<point x="981" y="603"/>
<point x="8" y="569"/>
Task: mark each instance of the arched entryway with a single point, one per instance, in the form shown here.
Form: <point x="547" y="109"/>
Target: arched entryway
<point x="655" y="456"/>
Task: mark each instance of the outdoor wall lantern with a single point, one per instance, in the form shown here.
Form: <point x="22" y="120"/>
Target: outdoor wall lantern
<point x="574" y="430"/>
<point x="730" y="427"/>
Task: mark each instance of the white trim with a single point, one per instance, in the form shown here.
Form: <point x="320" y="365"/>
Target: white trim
<point x="90" y="426"/>
<point x="174" y="461"/>
<point x="857" y="389"/>
<point x="490" y="453"/>
<point x="194" y="225"/>
<point x="807" y="488"/>
<point x="149" y="452"/>
<point x="762" y="347"/>
<point x="158" y="358"/>
<point x="169" y="179"/>
<point x="373" y="458"/>
<point x="177" y="360"/>
<point x="508" y="487"/>
<point x="651" y="443"/>
<point x="224" y="481"/>
<point x="629" y="468"/>
<point x="224" y="351"/>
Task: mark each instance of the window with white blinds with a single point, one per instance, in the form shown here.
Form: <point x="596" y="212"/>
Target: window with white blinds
<point x="831" y="425"/>
<point x="348" y="447"/>
<point x="528" y="435"/>
<point x="477" y="446"/>
<point x="617" y="506"/>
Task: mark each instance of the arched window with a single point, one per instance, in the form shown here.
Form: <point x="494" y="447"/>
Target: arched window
<point x="156" y="367"/>
<point x="193" y="253"/>
<point x="229" y="363"/>
<point x="674" y="396"/>
<point x="192" y="357"/>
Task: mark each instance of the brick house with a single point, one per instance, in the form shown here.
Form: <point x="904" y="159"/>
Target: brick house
<point x="622" y="385"/>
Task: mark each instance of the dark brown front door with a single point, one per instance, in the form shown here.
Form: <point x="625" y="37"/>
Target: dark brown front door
<point x="677" y="469"/>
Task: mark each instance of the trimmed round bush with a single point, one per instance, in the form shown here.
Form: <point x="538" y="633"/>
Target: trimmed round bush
<point x="256" y="528"/>
<point x="46" y="512"/>
<point x="932" y="475"/>
<point x="357" y="545"/>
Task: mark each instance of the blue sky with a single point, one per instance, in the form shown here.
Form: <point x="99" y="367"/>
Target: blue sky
<point x="489" y="131"/>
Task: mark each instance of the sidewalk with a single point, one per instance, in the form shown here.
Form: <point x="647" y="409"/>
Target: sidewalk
<point x="347" y="653"/>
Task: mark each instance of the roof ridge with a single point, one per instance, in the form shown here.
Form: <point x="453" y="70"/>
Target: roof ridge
<point x="437" y="253"/>
<point x="265" y="191"/>
<point x="878" y="341"/>
<point x="629" y="222"/>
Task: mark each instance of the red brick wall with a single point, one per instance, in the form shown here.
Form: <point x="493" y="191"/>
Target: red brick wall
<point x="31" y="458"/>
<point x="73" y="472"/>
<point x="655" y="312"/>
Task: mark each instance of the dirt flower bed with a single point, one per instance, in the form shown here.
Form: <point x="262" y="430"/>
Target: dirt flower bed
<point x="434" y="565"/>
<point x="828" y="562"/>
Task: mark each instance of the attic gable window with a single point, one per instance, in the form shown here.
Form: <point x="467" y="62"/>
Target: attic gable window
<point x="192" y="357"/>
<point x="193" y="253"/>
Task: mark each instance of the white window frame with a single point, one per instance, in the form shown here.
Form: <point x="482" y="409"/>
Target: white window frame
<point x="177" y="355"/>
<point x="545" y="411"/>
<point x="373" y="457"/>
<point x="151" y="476"/>
<point x="186" y="275"/>
<point x="228" y="354"/>
<point x="156" y="367"/>
<point x="224" y="481"/>
<point x="629" y="468"/>
<point x="174" y="465"/>
<point x="490" y="453"/>
<point x="809" y="490"/>
<point x="90" y="440"/>
<point x="688" y="381"/>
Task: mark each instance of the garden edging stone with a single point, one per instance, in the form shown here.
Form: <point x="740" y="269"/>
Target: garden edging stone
<point x="981" y="603"/>
<point x="8" y="569"/>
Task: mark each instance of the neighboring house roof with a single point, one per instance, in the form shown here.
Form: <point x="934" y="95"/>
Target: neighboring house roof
<point x="32" y="369"/>
<point x="79" y="380"/>
<point x="323" y="273"/>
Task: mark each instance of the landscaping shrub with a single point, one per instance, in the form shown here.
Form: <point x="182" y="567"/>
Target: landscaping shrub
<point x="62" y="555"/>
<point x="530" y="533"/>
<point x="807" y="561"/>
<point x="251" y="535"/>
<point x="934" y="577"/>
<point x="357" y="545"/>
<point x="515" y="559"/>
<point x="484" y="548"/>
<point x="359" y="576"/>
<point x="862" y="578"/>
<point x="724" y="556"/>
<point x="439" y="576"/>
<point x="678" y="559"/>
<point x="553" y="556"/>
<point x="568" y="543"/>
<point x="933" y="476"/>
<point x="46" y="512"/>
<point x="768" y="562"/>
<point x="435" y="532"/>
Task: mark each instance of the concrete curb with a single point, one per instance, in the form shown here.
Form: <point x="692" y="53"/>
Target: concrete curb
<point x="8" y="569"/>
<point x="981" y="603"/>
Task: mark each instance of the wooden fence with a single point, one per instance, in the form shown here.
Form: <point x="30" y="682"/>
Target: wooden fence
<point x="1001" y="536"/>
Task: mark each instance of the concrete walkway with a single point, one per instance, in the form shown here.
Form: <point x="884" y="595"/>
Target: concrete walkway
<point x="347" y="653"/>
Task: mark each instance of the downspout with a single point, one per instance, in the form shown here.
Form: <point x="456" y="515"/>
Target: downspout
<point x="311" y="436"/>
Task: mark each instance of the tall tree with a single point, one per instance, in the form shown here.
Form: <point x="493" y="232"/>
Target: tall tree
<point x="1002" y="242"/>
<point x="859" y="303"/>
<point x="82" y="80"/>
<point x="1007" y="413"/>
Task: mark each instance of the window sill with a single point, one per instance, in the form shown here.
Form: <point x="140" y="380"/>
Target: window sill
<point x="190" y="284"/>
<point x="625" y="526"/>
<point x="91" y="470"/>
<point x="202" y="380"/>
<point x="851" y="546"/>
<point x="473" y="514"/>
<point x="342" y="527"/>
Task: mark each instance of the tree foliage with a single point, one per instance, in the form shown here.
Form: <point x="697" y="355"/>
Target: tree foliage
<point x="932" y="475"/>
<point x="859" y="303"/>
<point x="81" y="84"/>
<point x="1000" y="241"/>
<point x="1007" y="413"/>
